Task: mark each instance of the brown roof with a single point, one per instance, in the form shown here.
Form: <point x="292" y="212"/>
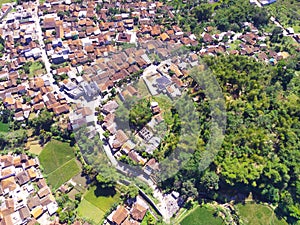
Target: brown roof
<point x="155" y="30"/>
<point x="32" y="173"/>
<point x="138" y="212"/>
<point x="207" y="38"/>
<point x="44" y="192"/>
<point x="24" y="213"/>
<point x="7" y="160"/>
<point x="130" y="222"/>
<point x="120" y="139"/>
<point x="38" y="106"/>
<point x="61" y="109"/>
<point x="49" y="22"/>
<point x="41" y="183"/>
<point x="9" y="183"/>
<point x="38" y="82"/>
<point x="7" y="220"/>
<point x="120" y="215"/>
<point x="22" y="178"/>
<point x="33" y="202"/>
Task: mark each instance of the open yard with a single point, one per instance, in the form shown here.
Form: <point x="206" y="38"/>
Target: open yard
<point x="35" y="149"/>
<point x="257" y="214"/>
<point x="201" y="216"/>
<point x="59" y="163"/>
<point x="96" y="202"/>
<point x="4" y="127"/>
<point x="36" y="69"/>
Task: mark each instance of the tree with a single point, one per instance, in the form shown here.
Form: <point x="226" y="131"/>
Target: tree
<point x="132" y="191"/>
<point x="203" y="12"/>
<point x="189" y="190"/>
<point x="100" y="118"/>
<point x="276" y="35"/>
<point x="43" y="121"/>
<point x="210" y="181"/>
<point x="140" y="114"/>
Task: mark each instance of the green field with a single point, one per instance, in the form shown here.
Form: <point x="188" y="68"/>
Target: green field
<point x="55" y="154"/>
<point x="102" y="198"/>
<point x="4" y="127"/>
<point x="96" y="202"/>
<point x="59" y="163"/>
<point x="201" y="216"/>
<point x="63" y="174"/>
<point x="257" y="214"/>
<point x="89" y="211"/>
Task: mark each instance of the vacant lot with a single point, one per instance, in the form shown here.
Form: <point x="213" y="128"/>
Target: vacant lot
<point x="59" y="163"/>
<point x="257" y="214"/>
<point x="201" y="216"/>
<point x="55" y="154"/>
<point x="63" y="173"/>
<point x="4" y="127"/>
<point x="35" y="149"/>
<point x="96" y="202"/>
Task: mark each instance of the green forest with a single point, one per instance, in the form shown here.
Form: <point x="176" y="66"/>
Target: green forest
<point x="260" y="152"/>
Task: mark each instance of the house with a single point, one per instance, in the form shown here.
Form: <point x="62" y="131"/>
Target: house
<point x="24" y="214"/>
<point x="138" y="212"/>
<point x="90" y="89"/>
<point x="164" y="37"/>
<point x="120" y="139"/>
<point x="60" y="109"/>
<point x="151" y="166"/>
<point x="110" y="107"/>
<point x="145" y="134"/>
<point x="22" y="178"/>
<point x="123" y="38"/>
<point x="130" y="222"/>
<point x="119" y="215"/>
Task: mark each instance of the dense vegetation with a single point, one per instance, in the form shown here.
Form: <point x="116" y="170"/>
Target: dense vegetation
<point x="260" y="152"/>
<point x="225" y="15"/>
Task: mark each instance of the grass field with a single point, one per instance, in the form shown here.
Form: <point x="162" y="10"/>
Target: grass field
<point x="201" y="216"/>
<point x="89" y="211"/>
<point x="257" y="214"/>
<point x="63" y="173"/>
<point x="55" y="154"/>
<point x="96" y="202"/>
<point x="102" y="198"/>
<point x="4" y="127"/>
<point x="59" y="163"/>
